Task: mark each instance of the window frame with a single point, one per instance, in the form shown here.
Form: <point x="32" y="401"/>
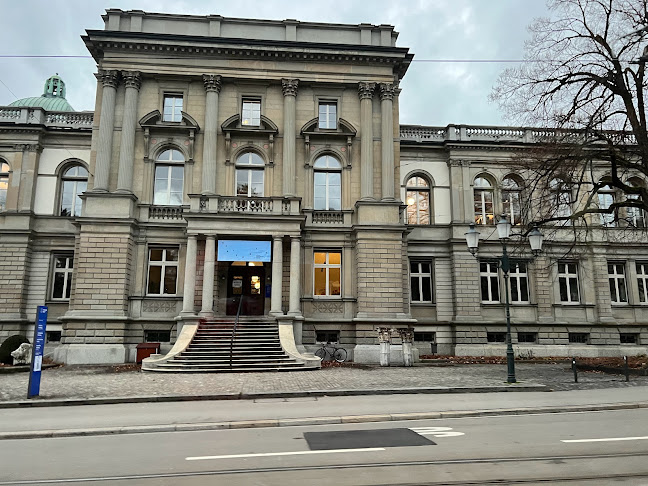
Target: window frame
<point x="175" y="115"/>
<point x="615" y="281"/>
<point x="421" y="276"/>
<point x="4" y="178"/>
<point x="75" y="180"/>
<point x="519" y="277"/>
<point x="514" y="194"/>
<point x="419" y="192"/>
<point x="327" y="171"/>
<point x="641" y="269"/>
<point x="482" y="216"/>
<point x="327" y="267"/>
<point x="68" y="273"/>
<point x="606" y="197"/>
<point x="169" y="164"/>
<point x="562" y="199"/>
<point x="568" y="277"/>
<point x="163" y="264"/>
<point x="248" y="115"/>
<point x="325" y="123"/>
<point x="249" y="167"/>
<point x="491" y="277"/>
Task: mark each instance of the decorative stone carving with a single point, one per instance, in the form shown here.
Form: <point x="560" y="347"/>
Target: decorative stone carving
<point x="22" y="355"/>
<point x="108" y="77"/>
<point x="289" y="86"/>
<point x="212" y="82"/>
<point x="27" y="147"/>
<point x="328" y="307"/>
<point x="159" y="306"/>
<point x="384" y="335"/>
<point x="366" y="90"/>
<point x="387" y="91"/>
<point x="132" y="79"/>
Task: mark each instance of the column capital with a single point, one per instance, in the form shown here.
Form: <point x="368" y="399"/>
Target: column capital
<point x="294" y="238"/>
<point x="289" y="86"/>
<point x="212" y="82"/>
<point x="387" y="91"/>
<point x="277" y="237"/>
<point x="132" y="79"/>
<point x="366" y="90"/>
<point x="108" y="77"/>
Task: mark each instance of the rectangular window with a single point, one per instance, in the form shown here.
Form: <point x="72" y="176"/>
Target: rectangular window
<point x="328" y="115"/>
<point x="251" y="113"/>
<point x="579" y="338"/>
<point x="568" y="282"/>
<point x="496" y="337"/>
<point x="162" y="271"/>
<point x="327" y="273"/>
<point x="327" y="336"/>
<point x="62" y="277"/>
<point x="157" y="336"/>
<point x="421" y="281"/>
<point x="616" y="277"/>
<point x="425" y="337"/>
<point x="489" y="278"/>
<point x="172" y="108"/>
<point x="629" y="338"/>
<point x="642" y="281"/>
<point x="53" y="336"/>
<point x="519" y="283"/>
<point x="527" y="337"/>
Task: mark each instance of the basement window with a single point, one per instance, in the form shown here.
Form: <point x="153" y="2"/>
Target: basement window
<point x="327" y="336"/>
<point x="579" y="338"/>
<point x="496" y="337"/>
<point x="527" y="337"/>
<point x="157" y="336"/>
<point x="629" y="338"/>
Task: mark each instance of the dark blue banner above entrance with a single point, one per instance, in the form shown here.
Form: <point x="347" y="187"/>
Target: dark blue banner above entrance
<point x="243" y="251"/>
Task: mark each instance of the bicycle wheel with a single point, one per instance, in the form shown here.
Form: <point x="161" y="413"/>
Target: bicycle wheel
<point x="340" y="355"/>
<point x="321" y="353"/>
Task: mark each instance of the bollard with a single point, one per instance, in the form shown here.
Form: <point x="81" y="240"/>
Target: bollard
<point x="385" y="346"/>
<point x="575" y="370"/>
<point x="626" y="368"/>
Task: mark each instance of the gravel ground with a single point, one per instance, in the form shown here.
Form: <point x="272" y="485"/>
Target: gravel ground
<point x="103" y="381"/>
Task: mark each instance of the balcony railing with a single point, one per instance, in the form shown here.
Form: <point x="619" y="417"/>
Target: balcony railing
<point x="38" y="116"/>
<point x="466" y="133"/>
<point x="165" y="212"/>
<point x="244" y="205"/>
<point x="328" y="217"/>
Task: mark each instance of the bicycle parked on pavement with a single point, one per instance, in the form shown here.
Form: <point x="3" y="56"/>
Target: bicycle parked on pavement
<point x="332" y="351"/>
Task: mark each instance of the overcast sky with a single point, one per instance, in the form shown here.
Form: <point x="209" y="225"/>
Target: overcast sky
<point x="433" y="93"/>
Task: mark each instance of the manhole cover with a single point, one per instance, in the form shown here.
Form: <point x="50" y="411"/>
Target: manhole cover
<point x="361" y="439"/>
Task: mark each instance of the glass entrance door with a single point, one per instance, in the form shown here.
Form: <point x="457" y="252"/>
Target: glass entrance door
<point x="246" y="284"/>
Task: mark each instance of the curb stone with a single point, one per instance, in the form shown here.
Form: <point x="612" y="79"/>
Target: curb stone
<point x="265" y="423"/>
<point x="62" y="402"/>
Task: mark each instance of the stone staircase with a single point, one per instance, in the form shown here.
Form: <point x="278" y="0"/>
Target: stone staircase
<point x="254" y="347"/>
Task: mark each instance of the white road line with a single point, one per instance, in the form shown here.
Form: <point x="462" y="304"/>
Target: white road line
<point x="611" y="439"/>
<point x="295" y="453"/>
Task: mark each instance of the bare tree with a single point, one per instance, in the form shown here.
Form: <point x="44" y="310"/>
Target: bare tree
<point x="583" y="86"/>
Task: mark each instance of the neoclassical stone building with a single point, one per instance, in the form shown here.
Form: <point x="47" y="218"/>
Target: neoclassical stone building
<point x="261" y="163"/>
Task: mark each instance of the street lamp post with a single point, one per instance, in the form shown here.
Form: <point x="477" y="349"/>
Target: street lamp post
<point x="504" y="234"/>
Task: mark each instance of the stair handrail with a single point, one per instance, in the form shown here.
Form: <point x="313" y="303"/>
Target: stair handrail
<point x="236" y="321"/>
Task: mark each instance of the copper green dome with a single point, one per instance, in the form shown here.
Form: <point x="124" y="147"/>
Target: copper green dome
<point x="52" y="99"/>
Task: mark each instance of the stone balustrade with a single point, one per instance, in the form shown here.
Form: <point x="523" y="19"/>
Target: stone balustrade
<point x="201" y="203"/>
<point x="38" y="116"/>
<point x="165" y="212"/>
<point x="467" y="133"/>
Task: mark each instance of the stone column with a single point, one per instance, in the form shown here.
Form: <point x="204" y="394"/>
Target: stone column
<point x="212" y="88"/>
<point x="365" y="92"/>
<point x="387" y="139"/>
<point x="277" y="274"/>
<point x="208" y="277"/>
<point x="110" y="80"/>
<point x="289" y="88"/>
<point x="133" y="82"/>
<point x="295" y="277"/>
<point x="190" y="277"/>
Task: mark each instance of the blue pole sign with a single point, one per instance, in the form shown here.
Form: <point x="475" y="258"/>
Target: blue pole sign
<point x="37" y="352"/>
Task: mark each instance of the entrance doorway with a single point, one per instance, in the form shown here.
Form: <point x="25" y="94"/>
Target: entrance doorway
<point x="246" y="282"/>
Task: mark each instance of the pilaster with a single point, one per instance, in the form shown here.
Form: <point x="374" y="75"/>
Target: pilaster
<point x="365" y="92"/>
<point x="110" y="80"/>
<point x="387" y="92"/>
<point x="189" y="292"/>
<point x="289" y="88"/>
<point x="213" y="84"/>
<point x="208" y="277"/>
<point x="133" y="82"/>
<point x="294" y="308"/>
<point x="277" y="271"/>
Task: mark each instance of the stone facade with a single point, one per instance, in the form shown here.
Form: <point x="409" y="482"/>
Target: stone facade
<point x="284" y="135"/>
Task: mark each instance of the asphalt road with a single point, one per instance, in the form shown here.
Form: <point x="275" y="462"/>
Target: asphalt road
<point x="569" y="448"/>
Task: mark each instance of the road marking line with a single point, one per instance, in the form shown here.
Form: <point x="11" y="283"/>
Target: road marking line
<point x="295" y="453"/>
<point x="611" y="439"/>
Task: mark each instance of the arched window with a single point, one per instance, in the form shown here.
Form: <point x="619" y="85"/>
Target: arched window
<point x="511" y="199"/>
<point x="249" y="175"/>
<point x="561" y="199"/>
<point x="606" y="198"/>
<point x="327" y="184"/>
<point x="74" y="182"/>
<point x="418" y="200"/>
<point x="636" y="216"/>
<point x="169" y="178"/>
<point x="483" y="195"/>
<point x="4" y="184"/>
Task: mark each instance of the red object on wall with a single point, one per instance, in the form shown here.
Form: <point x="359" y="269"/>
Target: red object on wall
<point x="144" y="350"/>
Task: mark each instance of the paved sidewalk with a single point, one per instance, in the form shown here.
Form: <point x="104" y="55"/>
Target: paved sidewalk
<point x="96" y="382"/>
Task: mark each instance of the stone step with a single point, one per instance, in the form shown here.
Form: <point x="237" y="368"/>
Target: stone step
<point x="224" y="366"/>
<point x="237" y="361"/>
